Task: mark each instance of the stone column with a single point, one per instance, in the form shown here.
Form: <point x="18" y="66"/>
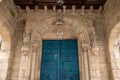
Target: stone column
<point x="39" y="59"/>
<point x="36" y="60"/>
<point x="85" y="61"/>
<point x="81" y="61"/>
<point x="33" y="59"/>
<point x="24" y="63"/>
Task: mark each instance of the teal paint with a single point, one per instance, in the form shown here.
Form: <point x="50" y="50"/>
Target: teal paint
<point x="59" y="60"/>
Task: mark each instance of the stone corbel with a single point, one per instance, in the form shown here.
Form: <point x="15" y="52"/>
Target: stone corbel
<point x="19" y="9"/>
<point x="91" y="8"/>
<point x="100" y="9"/>
<point x="83" y="10"/>
<point x="54" y="8"/>
<point x="46" y="9"/>
<point x="27" y="9"/>
<point x="73" y="9"/>
<point x="99" y="12"/>
<point x="64" y="9"/>
<point x="36" y="8"/>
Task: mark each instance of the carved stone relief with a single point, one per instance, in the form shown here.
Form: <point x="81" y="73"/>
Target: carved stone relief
<point x="94" y="46"/>
<point x="26" y="43"/>
<point x="32" y="43"/>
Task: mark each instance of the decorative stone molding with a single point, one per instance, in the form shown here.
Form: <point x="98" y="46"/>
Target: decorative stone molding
<point x="95" y="51"/>
<point x="26" y="42"/>
<point x="28" y="9"/>
<point x="83" y="10"/>
<point x="19" y="9"/>
<point x="94" y="46"/>
<point x="45" y="8"/>
<point x="81" y="24"/>
<point x="91" y="8"/>
<point x="36" y="8"/>
<point x="64" y="9"/>
<point x="35" y="46"/>
<point x="82" y="36"/>
<point x="54" y="8"/>
<point x="73" y="9"/>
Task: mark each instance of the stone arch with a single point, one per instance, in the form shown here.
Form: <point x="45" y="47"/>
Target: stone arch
<point x="112" y="43"/>
<point x="5" y="50"/>
<point x="79" y="27"/>
<point x="114" y="34"/>
<point x="83" y="46"/>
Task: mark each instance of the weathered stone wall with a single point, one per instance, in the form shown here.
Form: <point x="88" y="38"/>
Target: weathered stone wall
<point x="104" y="71"/>
<point x="101" y="65"/>
<point x="112" y="18"/>
<point x="7" y="29"/>
<point x="8" y="14"/>
<point x="111" y="14"/>
<point x="98" y="66"/>
<point x="16" y="59"/>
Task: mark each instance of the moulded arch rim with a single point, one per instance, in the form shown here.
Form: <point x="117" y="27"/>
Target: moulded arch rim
<point x="6" y="36"/>
<point x="82" y="28"/>
<point x="111" y="39"/>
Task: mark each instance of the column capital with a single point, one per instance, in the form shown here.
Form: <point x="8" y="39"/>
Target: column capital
<point x="85" y="47"/>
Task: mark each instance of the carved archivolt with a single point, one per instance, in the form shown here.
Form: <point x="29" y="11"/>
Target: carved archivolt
<point x="83" y="42"/>
<point x="77" y="26"/>
<point x="35" y="44"/>
<point x="113" y="39"/>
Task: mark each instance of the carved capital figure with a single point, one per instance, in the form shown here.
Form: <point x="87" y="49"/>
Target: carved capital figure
<point x="94" y="46"/>
<point x="26" y="42"/>
<point x="85" y="47"/>
<point x="93" y="39"/>
<point x="26" y="37"/>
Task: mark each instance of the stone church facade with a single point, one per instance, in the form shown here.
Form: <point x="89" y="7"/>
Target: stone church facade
<point x="96" y="31"/>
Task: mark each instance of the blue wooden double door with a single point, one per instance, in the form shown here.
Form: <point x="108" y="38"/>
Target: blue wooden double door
<point x="59" y="60"/>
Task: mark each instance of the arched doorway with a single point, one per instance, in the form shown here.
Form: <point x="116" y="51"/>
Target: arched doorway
<point x="69" y="30"/>
<point x="32" y="46"/>
<point x="114" y="50"/>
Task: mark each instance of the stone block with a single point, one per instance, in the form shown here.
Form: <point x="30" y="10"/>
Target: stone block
<point x="116" y="73"/>
<point x="95" y="73"/>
